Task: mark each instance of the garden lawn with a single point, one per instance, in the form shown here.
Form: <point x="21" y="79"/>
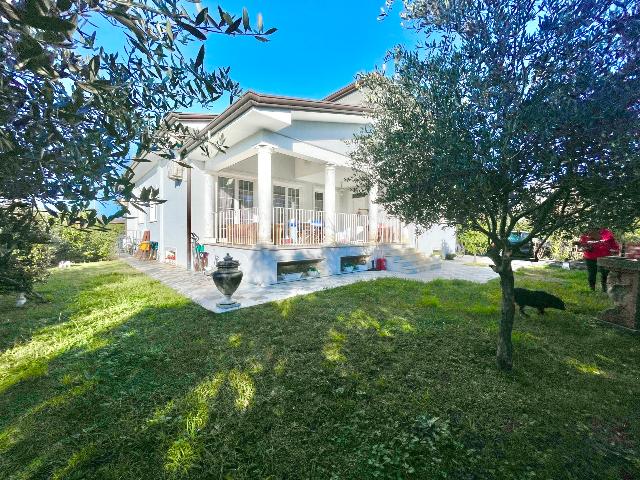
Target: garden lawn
<point x="119" y="377"/>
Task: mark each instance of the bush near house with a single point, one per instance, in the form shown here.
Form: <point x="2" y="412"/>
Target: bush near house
<point x="82" y="245"/>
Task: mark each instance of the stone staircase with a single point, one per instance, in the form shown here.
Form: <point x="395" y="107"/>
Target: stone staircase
<point x="406" y="259"/>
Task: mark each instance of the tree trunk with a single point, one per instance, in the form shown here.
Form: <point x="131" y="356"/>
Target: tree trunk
<point x="505" y="347"/>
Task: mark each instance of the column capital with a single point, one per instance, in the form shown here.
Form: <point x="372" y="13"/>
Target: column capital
<point x="330" y="166"/>
<point x="265" y="147"/>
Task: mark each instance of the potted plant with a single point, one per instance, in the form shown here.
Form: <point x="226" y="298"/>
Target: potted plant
<point x="347" y="268"/>
<point x="313" y="272"/>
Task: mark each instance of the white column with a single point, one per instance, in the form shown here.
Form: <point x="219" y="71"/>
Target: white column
<point x="373" y="214"/>
<point x="208" y="206"/>
<point x="330" y="203"/>
<point x="265" y="210"/>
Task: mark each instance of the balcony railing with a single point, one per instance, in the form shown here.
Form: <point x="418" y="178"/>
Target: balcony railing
<point x="237" y="227"/>
<point x="389" y="230"/>
<point x="352" y="228"/>
<point x="294" y="226"/>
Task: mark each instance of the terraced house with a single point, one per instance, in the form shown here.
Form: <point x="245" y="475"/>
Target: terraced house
<point x="280" y="195"/>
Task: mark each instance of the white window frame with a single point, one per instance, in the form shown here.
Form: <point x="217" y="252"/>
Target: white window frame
<point x="141" y="217"/>
<point x="318" y="190"/>
<point x="236" y="190"/>
<point x="287" y="187"/>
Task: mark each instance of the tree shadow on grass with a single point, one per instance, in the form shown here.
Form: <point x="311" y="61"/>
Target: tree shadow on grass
<point x="330" y="383"/>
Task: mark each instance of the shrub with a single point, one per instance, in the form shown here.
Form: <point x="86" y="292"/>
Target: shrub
<point x="474" y="243"/>
<point x="78" y="245"/>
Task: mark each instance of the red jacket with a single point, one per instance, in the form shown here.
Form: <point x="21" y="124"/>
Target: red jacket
<point x="600" y="249"/>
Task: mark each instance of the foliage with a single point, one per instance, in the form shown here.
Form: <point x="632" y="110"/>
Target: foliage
<point x="30" y="256"/>
<point x="73" y="104"/>
<point x="86" y="245"/>
<point x="509" y="111"/>
<point x="559" y="246"/>
<point x="121" y="377"/>
<point x="474" y="243"/>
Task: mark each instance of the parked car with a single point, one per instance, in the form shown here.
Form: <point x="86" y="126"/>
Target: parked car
<point x="526" y="251"/>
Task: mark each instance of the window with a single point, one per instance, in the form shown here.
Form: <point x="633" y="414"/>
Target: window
<point x="318" y="201"/>
<point x="279" y="196"/>
<point x="293" y="198"/>
<point x="226" y="193"/>
<point x="245" y="193"/>
<point x="286" y="197"/>
<point x="141" y="215"/>
<point x="153" y="213"/>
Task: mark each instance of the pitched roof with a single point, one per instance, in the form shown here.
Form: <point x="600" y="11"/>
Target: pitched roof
<point x="343" y="92"/>
<point x="252" y="99"/>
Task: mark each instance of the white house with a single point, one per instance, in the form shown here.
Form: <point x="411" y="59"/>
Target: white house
<point x="280" y="195"/>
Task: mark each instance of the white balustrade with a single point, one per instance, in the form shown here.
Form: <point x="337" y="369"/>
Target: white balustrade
<point x="237" y="227"/>
<point x="389" y="229"/>
<point x="352" y="228"/>
<point x="295" y="226"/>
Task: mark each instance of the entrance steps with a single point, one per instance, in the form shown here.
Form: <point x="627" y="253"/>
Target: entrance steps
<point x="406" y="259"/>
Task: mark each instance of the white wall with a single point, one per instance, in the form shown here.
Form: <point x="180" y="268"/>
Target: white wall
<point x="437" y="238"/>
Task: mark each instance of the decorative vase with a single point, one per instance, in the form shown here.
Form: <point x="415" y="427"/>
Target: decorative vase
<point x="227" y="279"/>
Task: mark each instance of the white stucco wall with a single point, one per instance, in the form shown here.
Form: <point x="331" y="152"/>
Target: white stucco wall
<point x="437" y="238"/>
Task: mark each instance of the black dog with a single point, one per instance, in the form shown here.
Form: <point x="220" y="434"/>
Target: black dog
<point x="536" y="299"/>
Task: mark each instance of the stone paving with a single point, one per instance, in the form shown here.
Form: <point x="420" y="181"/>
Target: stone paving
<point x="200" y="288"/>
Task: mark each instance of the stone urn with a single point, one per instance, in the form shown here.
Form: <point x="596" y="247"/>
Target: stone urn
<point x="227" y="279"/>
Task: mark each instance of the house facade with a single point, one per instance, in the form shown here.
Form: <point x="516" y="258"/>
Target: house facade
<point x="279" y="195"/>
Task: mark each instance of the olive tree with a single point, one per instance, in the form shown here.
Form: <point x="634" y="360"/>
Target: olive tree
<point x="76" y="108"/>
<point x="526" y="110"/>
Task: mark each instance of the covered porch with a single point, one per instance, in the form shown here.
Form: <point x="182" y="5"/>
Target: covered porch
<point x="275" y="198"/>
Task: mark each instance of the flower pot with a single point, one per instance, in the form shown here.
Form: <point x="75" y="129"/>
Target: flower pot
<point x="227" y="279"/>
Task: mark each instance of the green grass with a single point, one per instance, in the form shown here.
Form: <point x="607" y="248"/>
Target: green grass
<point x="119" y="377"/>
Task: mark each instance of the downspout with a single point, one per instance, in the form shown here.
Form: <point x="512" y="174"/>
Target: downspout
<point x="189" y="218"/>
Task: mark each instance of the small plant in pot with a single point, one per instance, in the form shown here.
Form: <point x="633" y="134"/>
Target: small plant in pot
<point x="313" y="272"/>
<point x="347" y="268"/>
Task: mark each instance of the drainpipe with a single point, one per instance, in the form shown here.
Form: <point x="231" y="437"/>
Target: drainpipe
<point x="189" y="218"/>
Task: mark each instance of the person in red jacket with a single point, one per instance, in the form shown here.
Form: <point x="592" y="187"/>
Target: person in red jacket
<point x="596" y="243"/>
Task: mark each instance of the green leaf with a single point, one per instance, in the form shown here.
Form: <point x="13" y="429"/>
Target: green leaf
<point x="233" y="27"/>
<point x="270" y="31"/>
<point x="94" y="67"/>
<point x="202" y="15"/>
<point x="169" y="30"/>
<point x="199" y="58"/>
<point x="192" y="30"/>
<point x="245" y="19"/>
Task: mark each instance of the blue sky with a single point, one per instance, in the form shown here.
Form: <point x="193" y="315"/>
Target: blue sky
<point x="318" y="48"/>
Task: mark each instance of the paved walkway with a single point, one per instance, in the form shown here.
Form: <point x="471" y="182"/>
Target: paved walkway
<point x="201" y="290"/>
